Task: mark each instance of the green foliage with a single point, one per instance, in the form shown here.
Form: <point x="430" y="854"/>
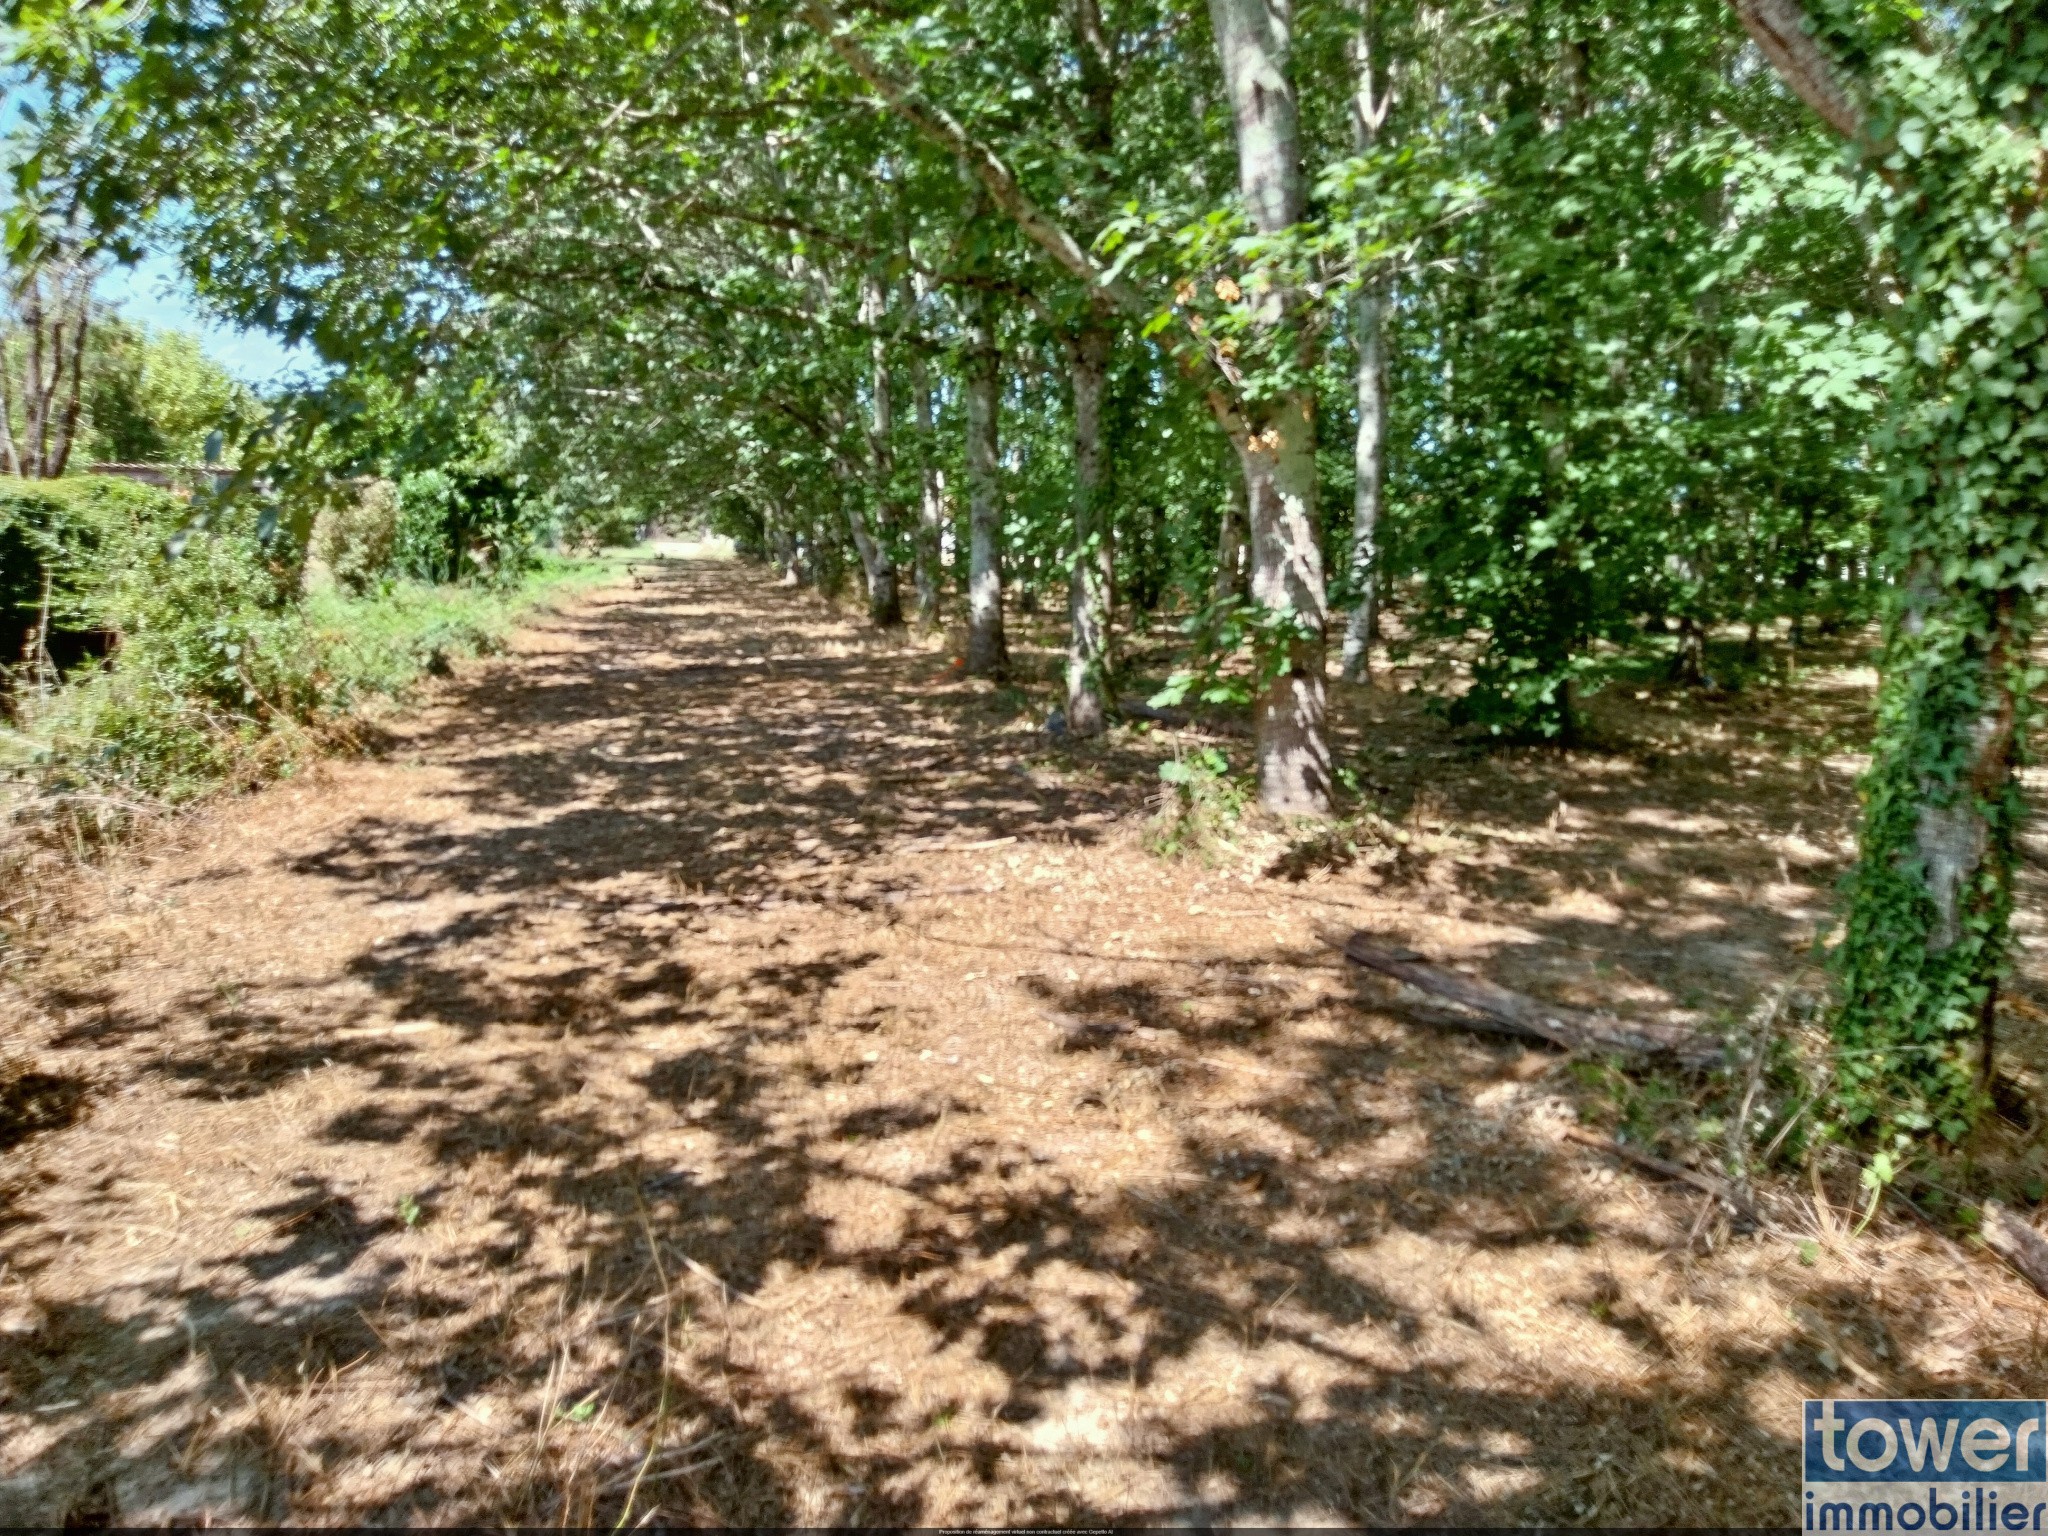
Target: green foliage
<point x="79" y="533"/>
<point x="380" y="644"/>
<point x="1199" y="804"/>
<point x="1221" y="634"/>
<point x="1592" y="428"/>
<point x="356" y="537"/>
<point x="153" y="396"/>
<point x="222" y="671"/>
<point x="459" y="524"/>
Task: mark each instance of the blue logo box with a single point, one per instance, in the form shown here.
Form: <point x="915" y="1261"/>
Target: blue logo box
<point x="1926" y="1440"/>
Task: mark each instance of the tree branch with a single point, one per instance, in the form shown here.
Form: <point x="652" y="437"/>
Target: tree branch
<point x="1780" y="29"/>
<point x="987" y="167"/>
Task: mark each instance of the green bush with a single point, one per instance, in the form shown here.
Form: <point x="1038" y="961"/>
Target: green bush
<point x="215" y="660"/>
<point x="458" y="524"/>
<point x="356" y="537"/>
<point x="73" y="532"/>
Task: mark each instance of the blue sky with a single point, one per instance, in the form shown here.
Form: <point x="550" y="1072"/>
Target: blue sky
<point x="156" y="293"/>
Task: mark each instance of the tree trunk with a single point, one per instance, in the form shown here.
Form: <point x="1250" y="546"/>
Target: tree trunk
<point x="1230" y="540"/>
<point x="877" y="557"/>
<point x="778" y="536"/>
<point x="1275" y="438"/>
<point x="1252" y="40"/>
<point x="1091" y="586"/>
<point x="988" y="653"/>
<point x="1933" y="886"/>
<point x="67" y="422"/>
<point x="1689" y="661"/>
<point x="1369" y="109"/>
<point x="885" y="600"/>
<point x="1279" y="465"/>
<point x="10" y="457"/>
<point x="35" y="393"/>
<point x="1368" y="458"/>
<point x="931" y="511"/>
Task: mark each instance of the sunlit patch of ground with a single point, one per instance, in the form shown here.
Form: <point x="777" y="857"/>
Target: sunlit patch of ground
<point x="716" y="1060"/>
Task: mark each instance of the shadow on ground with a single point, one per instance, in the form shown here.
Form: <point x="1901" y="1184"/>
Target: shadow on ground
<point x="747" y="1073"/>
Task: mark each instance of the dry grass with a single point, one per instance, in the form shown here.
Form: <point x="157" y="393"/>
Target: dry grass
<point x="714" y="1067"/>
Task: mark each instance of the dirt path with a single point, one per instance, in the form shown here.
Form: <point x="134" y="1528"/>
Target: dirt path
<point x="713" y="1059"/>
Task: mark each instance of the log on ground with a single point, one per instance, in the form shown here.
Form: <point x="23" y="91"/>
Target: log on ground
<point x="1507" y="1012"/>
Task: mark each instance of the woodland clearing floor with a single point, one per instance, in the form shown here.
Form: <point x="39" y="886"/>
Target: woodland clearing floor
<point x="713" y="1057"/>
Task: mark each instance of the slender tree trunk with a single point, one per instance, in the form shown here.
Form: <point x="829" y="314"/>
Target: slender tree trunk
<point x="35" y="403"/>
<point x="10" y="457"/>
<point x="1230" y="541"/>
<point x="778" y="534"/>
<point x="988" y="653"/>
<point x="1275" y="438"/>
<point x="1689" y="661"/>
<point x="885" y="600"/>
<point x="931" y="510"/>
<point x="67" y="422"/>
<point x="1279" y="467"/>
<point x="876" y="545"/>
<point x="1369" y="108"/>
<point x="1091" y="583"/>
<point x="52" y="308"/>
<point x="1369" y="461"/>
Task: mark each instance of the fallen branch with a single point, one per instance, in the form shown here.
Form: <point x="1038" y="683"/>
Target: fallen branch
<point x="2016" y="1242"/>
<point x="1138" y="709"/>
<point x="1515" y="1013"/>
<point x="1720" y="1189"/>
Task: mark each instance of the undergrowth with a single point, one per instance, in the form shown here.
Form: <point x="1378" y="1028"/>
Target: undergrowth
<point x="1200" y="803"/>
<point x="218" y="693"/>
<point x="215" y="684"/>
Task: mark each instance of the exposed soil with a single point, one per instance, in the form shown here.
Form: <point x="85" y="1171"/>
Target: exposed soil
<point x="715" y="1058"/>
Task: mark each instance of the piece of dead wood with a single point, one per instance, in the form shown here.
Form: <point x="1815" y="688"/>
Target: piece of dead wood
<point x="1138" y="709"/>
<point x="1515" y="1013"/>
<point x="2016" y="1242"/>
<point x="1720" y="1189"/>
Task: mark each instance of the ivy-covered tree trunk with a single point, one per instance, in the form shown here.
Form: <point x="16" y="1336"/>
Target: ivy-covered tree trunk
<point x="1961" y="114"/>
<point x="1931" y="896"/>
<point x="1091" y="581"/>
<point x="987" y="650"/>
<point x="1274" y="432"/>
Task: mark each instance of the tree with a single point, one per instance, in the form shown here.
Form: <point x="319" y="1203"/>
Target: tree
<point x="42" y="358"/>
<point x="153" y="396"/>
<point x="1946" y="110"/>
